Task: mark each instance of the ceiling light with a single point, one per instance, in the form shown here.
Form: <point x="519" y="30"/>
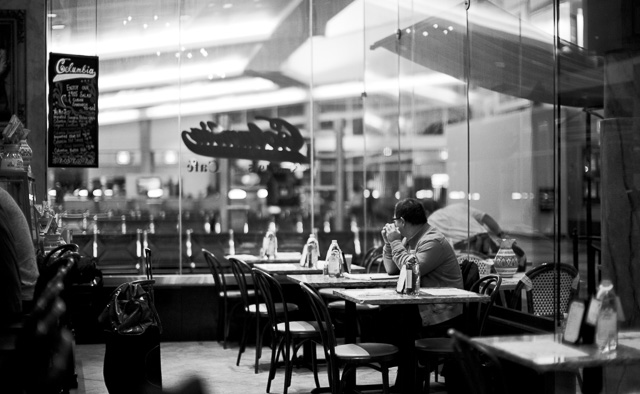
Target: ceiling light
<point x="138" y="44"/>
<point x="237" y="194"/>
<point x="280" y="97"/>
<point x="155" y="193"/>
<point x="52" y="15"/>
<point x="114" y="117"/>
<point x="424" y="193"/>
<point x="123" y="157"/>
<point x="185" y="92"/>
<point x="440" y="180"/>
<point x="170" y="157"/>
<point x="57" y="27"/>
<point x="229" y="67"/>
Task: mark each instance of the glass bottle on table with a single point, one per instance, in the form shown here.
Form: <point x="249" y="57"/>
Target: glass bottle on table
<point x="606" y="336"/>
<point x="412" y="286"/>
<point x="310" y="253"/>
<point x="269" y="245"/>
<point x="334" y="247"/>
<point x="334" y="264"/>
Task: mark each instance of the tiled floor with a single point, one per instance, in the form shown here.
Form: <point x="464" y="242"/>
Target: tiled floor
<point x="216" y="368"/>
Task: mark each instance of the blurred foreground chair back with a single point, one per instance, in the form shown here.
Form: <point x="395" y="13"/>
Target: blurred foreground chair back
<point x="435" y="351"/>
<point x="536" y="292"/>
<point x="45" y="345"/>
<point x="482" y="370"/>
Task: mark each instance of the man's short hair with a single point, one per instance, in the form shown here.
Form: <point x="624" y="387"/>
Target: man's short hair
<point x="411" y="210"/>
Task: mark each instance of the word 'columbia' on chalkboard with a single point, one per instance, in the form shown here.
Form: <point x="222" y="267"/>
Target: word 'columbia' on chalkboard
<point x="73" y="111"/>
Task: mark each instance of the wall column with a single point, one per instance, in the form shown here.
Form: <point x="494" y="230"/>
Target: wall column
<point x="620" y="139"/>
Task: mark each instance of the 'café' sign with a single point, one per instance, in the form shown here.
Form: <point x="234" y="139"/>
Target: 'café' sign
<point x="282" y="142"/>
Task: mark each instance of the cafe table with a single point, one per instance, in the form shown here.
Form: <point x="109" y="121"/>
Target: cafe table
<point x="280" y="258"/>
<point x="508" y="284"/>
<point x="295" y="268"/>
<point x="320" y="281"/>
<point x="558" y="362"/>
<point x="389" y="296"/>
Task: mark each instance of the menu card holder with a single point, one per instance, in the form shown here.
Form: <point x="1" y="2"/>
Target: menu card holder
<point x="402" y="280"/>
<point x="575" y="319"/>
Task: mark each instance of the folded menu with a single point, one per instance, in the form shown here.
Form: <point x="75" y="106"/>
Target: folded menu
<point x="374" y="276"/>
<point x="444" y="291"/>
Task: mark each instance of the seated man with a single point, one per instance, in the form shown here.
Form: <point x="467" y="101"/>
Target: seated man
<point x="22" y="250"/>
<point x="408" y="235"/>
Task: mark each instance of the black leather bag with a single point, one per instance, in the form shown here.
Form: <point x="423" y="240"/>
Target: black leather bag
<point x="470" y="273"/>
<point x="131" y="310"/>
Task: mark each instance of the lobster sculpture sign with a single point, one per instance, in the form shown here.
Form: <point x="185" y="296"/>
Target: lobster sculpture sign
<point x="281" y="142"/>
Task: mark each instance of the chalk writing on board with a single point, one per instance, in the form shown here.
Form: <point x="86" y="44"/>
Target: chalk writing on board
<point x="73" y="109"/>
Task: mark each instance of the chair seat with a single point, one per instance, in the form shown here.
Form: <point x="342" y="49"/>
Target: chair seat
<point x="434" y="345"/>
<point x="366" y="351"/>
<point x="328" y="292"/>
<point x="237" y="294"/>
<point x="232" y="294"/>
<point x="341" y="305"/>
<point x="300" y="327"/>
<point x="262" y="308"/>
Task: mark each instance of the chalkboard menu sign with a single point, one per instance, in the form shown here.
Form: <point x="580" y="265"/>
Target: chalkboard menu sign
<point x="73" y="111"/>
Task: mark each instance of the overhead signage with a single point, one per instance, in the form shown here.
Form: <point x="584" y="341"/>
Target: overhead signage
<point x="282" y="142"/>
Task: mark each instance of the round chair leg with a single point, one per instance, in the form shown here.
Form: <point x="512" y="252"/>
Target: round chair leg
<point x="243" y="340"/>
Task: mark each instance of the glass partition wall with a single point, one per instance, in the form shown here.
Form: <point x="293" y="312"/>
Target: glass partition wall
<point x="222" y="119"/>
